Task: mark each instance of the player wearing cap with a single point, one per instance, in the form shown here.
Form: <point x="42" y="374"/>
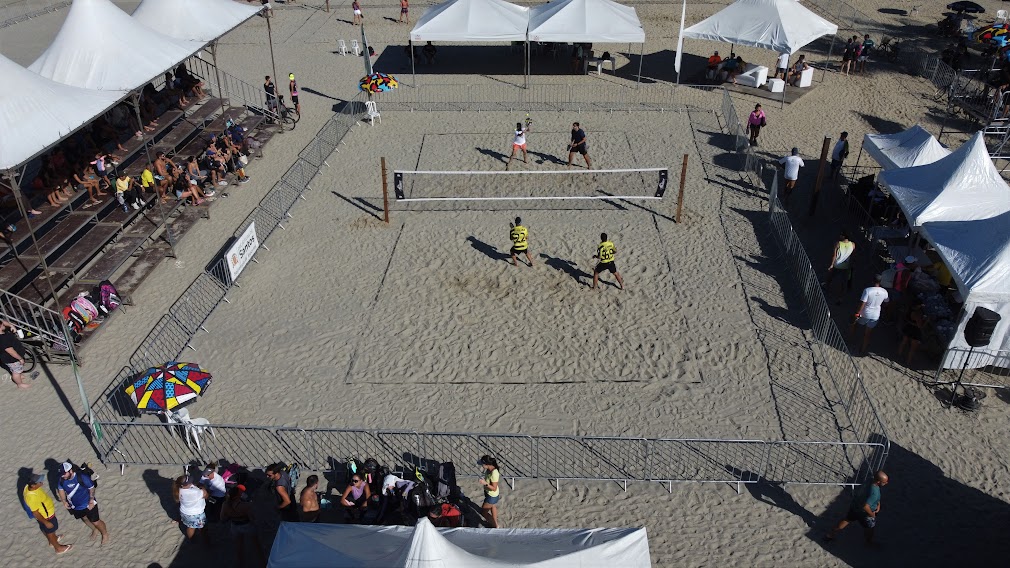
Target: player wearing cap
<point x="605" y="252"/>
<point x="518" y="143"/>
<point x="791" y="164"/>
<point x="520" y="241"/>
<point x="42" y="509"/>
<point x="77" y="492"/>
<point x="293" y="88"/>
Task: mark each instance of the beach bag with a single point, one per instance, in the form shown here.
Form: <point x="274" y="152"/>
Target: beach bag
<point x="75" y="324"/>
<point x="447" y="489"/>
<point x="763" y="122"/>
<point x="83" y="306"/>
<point x="108" y="297"/>
<point x="243" y="159"/>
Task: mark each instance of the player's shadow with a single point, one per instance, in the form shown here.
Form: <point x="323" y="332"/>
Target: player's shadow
<point x="496" y="155"/>
<point x="568" y="267"/>
<point x="544" y="158"/>
<point x="489" y="250"/>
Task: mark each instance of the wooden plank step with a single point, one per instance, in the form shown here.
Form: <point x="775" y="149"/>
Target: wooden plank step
<point x="64" y="231"/>
<point x="38" y="289"/>
<point x="17" y="270"/>
<point x="184" y="222"/>
<point x="123" y="218"/>
<point x="142" y="267"/>
<point x="81" y="252"/>
<point x="208" y="108"/>
<point x="217" y="126"/>
<point x="114" y="257"/>
<point x="179" y="133"/>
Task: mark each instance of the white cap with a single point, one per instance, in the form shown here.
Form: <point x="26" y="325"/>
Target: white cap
<point x="911" y="258"/>
<point x="66" y="467"/>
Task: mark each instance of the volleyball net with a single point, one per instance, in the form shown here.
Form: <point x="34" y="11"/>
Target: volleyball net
<point x="529" y="185"/>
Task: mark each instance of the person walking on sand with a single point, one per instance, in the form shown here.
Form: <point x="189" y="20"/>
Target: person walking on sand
<point x="868" y="315"/>
<point x="864" y="53"/>
<point x="77" y="492"/>
<point x="605" y="253"/>
<point x="192" y="501"/>
<point x="293" y="89"/>
<point x="841" y="262"/>
<point x="404" y="11"/>
<point x="356" y="8"/>
<point x="518" y="143"/>
<point x="863" y="509"/>
<point x="42" y="508"/>
<point x="578" y="144"/>
<point x="754" y="123"/>
<point x="791" y="164"/>
<point x="520" y="241"/>
<point x="848" y="56"/>
<point x="492" y="492"/>
<point x="308" y="502"/>
<point x="839" y="153"/>
<point x="12" y="355"/>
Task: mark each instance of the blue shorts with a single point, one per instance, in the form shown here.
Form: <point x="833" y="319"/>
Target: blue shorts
<point x="489" y="500"/>
<point x="194" y="521"/>
<point x="56" y="525"/>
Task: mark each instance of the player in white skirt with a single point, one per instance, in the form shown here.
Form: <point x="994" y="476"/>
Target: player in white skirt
<point x="518" y="142"/>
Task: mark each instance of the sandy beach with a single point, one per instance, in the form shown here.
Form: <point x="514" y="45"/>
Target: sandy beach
<point x="422" y="324"/>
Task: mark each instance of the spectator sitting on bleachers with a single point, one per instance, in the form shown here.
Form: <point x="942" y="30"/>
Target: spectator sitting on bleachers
<point x="147" y="183"/>
<point x="149" y="112"/>
<point x="107" y="135"/>
<point x="86" y="179"/>
<point x="127" y="192"/>
<point x="101" y="164"/>
<point x="52" y="190"/>
<point x="8" y="199"/>
<point x="187" y="189"/>
<point x="172" y="92"/>
<point x="188" y="83"/>
<point x="194" y="172"/>
<point x="229" y="155"/>
<point x="165" y="172"/>
<point x="238" y="138"/>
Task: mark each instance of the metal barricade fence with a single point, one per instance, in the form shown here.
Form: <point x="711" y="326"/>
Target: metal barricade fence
<point x="863" y="421"/>
<point x="974" y="367"/>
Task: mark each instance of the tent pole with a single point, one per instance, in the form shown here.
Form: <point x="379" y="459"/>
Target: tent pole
<point x="641" y="55"/>
<point x="217" y="75"/>
<point x="150" y="164"/>
<point x="529" y="66"/>
<point x="831" y="48"/>
<point x="413" y="71"/>
<point x="19" y="198"/>
<point x="270" y="41"/>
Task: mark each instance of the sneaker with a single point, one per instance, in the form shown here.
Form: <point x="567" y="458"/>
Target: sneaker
<point x="34" y="375"/>
<point x="244" y="180"/>
<point x="222" y="182"/>
<point x="136" y="205"/>
<point x="210" y="193"/>
<point x="125" y="209"/>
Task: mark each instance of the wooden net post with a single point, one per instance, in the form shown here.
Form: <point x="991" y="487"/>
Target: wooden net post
<point x="680" y="192"/>
<point x="327" y="6"/>
<point x="385" y="191"/>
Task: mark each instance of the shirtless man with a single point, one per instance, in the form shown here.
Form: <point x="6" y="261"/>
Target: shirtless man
<point x="404" y="11"/>
<point x="164" y="172"/>
<point x="308" y="502"/>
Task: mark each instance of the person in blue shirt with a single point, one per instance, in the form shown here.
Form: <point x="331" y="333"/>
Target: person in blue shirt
<point x="864" y="508"/>
<point x="77" y="492"/>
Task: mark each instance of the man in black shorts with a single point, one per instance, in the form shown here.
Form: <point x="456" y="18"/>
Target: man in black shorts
<point x="605" y="252"/>
<point x="77" y="492"/>
<point x="578" y="144"/>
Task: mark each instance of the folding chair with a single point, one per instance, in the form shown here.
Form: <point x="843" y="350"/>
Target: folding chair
<point x="355" y="47"/>
<point x="342" y="47"/>
<point x="373" y="112"/>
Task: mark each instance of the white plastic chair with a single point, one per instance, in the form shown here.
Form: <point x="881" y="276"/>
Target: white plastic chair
<point x="373" y="112"/>
<point x="1001" y="16"/>
<point x="342" y="47"/>
<point x="355" y="47"/>
<point x="195" y="427"/>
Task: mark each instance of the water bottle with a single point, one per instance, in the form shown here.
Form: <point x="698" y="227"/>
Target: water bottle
<point x="11" y="228"/>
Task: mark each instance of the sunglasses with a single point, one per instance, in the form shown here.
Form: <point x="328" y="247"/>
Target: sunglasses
<point x="356" y="480"/>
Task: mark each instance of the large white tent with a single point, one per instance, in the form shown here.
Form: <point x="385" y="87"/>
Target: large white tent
<point x="602" y="21"/>
<point x="101" y="47"/>
<point x="36" y="112"/>
<point x="978" y="256"/>
<point x="960" y="187"/>
<point x="473" y="21"/>
<point x="779" y="25"/>
<point x="304" y="545"/>
<point x="202" y="20"/>
<point x="912" y="147"/>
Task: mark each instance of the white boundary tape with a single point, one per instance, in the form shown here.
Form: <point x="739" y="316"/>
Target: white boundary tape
<point x="534" y="198"/>
<point x="531" y="172"/>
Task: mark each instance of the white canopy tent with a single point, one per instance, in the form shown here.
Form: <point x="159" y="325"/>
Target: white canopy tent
<point x="101" y="47"/>
<point x="960" y="187"/>
<point x="201" y="20"/>
<point x="779" y="25"/>
<point x="912" y="147"/>
<point x="978" y="256"/>
<point x="304" y="545"/>
<point x="470" y="20"/>
<point x="36" y="113"/>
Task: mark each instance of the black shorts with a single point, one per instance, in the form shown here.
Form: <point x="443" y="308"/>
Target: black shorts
<point x="862" y="518"/>
<point x="294" y="99"/>
<point x="611" y="266"/>
<point x="91" y="514"/>
<point x="56" y="525"/>
<point x="582" y="149"/>
<point x="517" y="251"/>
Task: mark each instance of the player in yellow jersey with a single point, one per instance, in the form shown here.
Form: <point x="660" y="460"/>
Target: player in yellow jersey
<point x="520" y="241"/>
<point x="605" y="252"/>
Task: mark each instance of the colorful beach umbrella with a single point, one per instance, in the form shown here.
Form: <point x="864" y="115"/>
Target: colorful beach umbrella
<point x="378" y="83"/>
<point x="172" y="385"/>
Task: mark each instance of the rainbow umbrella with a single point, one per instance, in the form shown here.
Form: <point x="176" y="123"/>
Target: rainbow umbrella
<point x="378" y="83"/>
<point x="172" y="385"/>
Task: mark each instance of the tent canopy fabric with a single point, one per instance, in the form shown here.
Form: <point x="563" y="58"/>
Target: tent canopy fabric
<point x="36" y="112"/>
<point x="101" y="47"/>
<point x="200" y="20"/>
<point x="472" y="20"/>
<point x="960" y="187"/>
<point x="912" y="147"/>
<point x="602" y="21"/>
<point x="779" y="25"/>
<point x="305" y="545"/>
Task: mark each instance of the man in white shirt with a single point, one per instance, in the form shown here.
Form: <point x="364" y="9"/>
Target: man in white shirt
<point x="792" y="165"/>
<point x="868" y="315"/>
<point x="839" y="153"/>
<point x="782" y="67"/>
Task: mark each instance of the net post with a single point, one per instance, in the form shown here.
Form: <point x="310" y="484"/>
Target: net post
<point x="385" y="191"/>
<point x="680" y="192"/>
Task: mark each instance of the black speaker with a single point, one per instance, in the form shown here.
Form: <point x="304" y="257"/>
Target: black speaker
<point x="978" y="330"/>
